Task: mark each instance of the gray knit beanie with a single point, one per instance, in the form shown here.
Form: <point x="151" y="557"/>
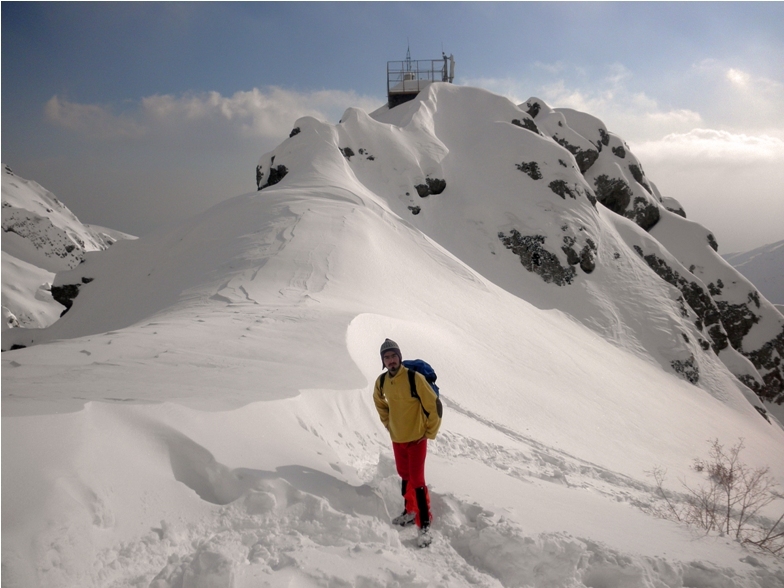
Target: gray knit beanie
<point x="388" y="345"/>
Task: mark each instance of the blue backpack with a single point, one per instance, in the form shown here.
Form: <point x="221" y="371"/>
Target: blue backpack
<point x="424" y="368"/>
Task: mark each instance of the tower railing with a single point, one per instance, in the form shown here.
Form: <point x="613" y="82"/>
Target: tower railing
<point x="405" y="79"/>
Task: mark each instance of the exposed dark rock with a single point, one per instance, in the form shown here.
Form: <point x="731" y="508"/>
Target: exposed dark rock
<point x="531" y="168"/>
<point x="561" y="188"/>
<point x="436" y="185"/>
<point x="753" y="297"/>
<point x="586" y="258"/>
<point x="737" y="320"/>
<point x="347" y="152"/>
<point x="563" y="163"/>
<point x="639" y="177"/>
<point x="535" y="258"/>
<point x="591" y="198"/>
<point x="526" y="124"/>
<point x="619" y="152"/>
<point x="645" y="214"/>
<point x="715" y="289"/>
<point x="276" y="175"/>
<point x="688" y="369"/>
<point x="533" y="109"/>
<point x="768" y="360"/>
<point x="605" y="138"/>
<point x="65" y="295"/>
<point x="422" y="190"/>
<point x="712" y="241"/>
<point x="763" y="412"/>
<point x="614" y="193"/>
<point x="16" y="346"/>
<point x="678" y="211"/>
<point x="294" y="131"/>
<point x="431" y="186"/>
<point x="585" y="157"/>
<point x="415" y="209"/>
<point x="708" y="313"/>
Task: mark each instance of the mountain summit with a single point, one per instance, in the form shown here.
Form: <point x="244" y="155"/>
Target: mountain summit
<point x="523" y="195"/>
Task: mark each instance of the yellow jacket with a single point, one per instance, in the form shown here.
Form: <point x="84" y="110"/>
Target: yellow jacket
<point x="401" y="413"/>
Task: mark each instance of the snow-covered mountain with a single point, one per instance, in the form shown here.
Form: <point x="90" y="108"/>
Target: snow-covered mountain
<point x="40" y="238"/>
<point x="763" y="267"/>
<point x="202" y="415"/>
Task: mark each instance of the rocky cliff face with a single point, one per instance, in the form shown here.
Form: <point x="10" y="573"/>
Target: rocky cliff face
<point x="523" y="182"/>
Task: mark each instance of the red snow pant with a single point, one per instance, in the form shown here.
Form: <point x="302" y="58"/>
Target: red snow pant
<point x="410" y="462"/>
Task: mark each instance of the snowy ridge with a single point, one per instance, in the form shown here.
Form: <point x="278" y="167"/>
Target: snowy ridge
<point x="523" y="179"/>
<point x="41" y="236"/>
<point x="202" y="414"/>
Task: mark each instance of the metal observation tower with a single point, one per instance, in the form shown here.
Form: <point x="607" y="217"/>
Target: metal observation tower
<point x="405" y="79"/>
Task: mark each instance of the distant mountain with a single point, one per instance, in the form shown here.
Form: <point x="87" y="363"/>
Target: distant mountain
<point x="41" y="236"/>
<point x="763" y="267"/>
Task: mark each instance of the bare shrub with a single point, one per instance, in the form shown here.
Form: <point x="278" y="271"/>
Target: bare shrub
<point x="729" y="502"/>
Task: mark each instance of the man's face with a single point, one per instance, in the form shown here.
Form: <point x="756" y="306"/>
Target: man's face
<point x="391" y="361"/>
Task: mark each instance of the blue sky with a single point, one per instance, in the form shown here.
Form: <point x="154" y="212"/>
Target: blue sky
<point x="136" y="114"/>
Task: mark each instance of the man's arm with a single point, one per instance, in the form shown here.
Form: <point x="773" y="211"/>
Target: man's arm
<point x="428" y="399"/>
<point x="381" y="404"/>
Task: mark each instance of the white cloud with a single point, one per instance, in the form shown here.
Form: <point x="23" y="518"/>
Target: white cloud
<point x="710" y="146"/>
<point x="729" y="182"/>
<point x="632" y="115"/>
<point x="91" y="119"/>
<point x="738" y="77"/>
<point x="255" y="113"/>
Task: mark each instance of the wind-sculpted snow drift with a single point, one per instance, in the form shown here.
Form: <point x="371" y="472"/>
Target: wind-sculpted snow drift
<point x="202" y="414"/>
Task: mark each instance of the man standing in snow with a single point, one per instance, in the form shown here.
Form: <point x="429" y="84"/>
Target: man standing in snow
<point x="411" y="417"/>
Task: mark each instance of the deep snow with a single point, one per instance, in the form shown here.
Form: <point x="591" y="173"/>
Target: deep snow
<point x="203" y="415"/>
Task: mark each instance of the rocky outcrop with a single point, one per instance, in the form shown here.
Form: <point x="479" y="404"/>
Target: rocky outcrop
<point x="535" y="258"/>
<point x="688" y="369"/>
<point x="526" y="123"/>
<point x="769" y="360"/>
<point x="431" y="186"/>
<point x="585" y="157"/>
<point x="700" y="301"/>
<point x="618" y="196"/>
<point x="66" y="293"/>
<point x="531" y="168"/>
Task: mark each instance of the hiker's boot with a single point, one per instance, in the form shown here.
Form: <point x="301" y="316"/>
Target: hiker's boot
<point x="424" y="538"/>
<point x="404" y="519"/>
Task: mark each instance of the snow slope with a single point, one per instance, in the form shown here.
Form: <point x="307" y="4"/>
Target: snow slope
<point x="202" y="416"/>
<point x="763" y="267"/>
<point x="40" y="237"/>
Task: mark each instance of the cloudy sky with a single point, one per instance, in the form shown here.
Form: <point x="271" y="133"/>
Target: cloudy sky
<point x="137" y="114"/>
